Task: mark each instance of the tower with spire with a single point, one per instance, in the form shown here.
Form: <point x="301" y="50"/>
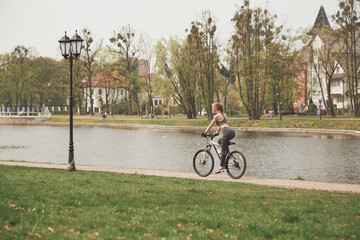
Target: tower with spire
<point x="321" y="22"/>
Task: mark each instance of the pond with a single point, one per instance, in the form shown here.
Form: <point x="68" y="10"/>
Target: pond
<point x="323" y="157"/>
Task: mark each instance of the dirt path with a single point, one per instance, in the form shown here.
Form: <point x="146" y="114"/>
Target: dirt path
<point x="283" y="183"/>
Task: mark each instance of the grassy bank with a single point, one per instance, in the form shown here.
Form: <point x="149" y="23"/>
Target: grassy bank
<point x="54" y="204"/>
<point x="288" y="122"/>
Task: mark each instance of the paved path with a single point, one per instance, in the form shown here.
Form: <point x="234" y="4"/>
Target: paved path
<point x="284" y="183"/>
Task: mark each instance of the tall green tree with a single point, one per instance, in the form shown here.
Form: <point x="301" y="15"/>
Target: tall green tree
<point x="254" y="32"/>
<point x="203" y="45"/>
<point x="174" y="75"/>
<point x="46" y="72"/>
<point x="5" y="61"/>
<point x="16" y="76"/>
<point x="281" y="74"/>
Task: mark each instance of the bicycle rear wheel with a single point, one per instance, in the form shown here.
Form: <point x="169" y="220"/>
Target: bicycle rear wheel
<point x="203" y="163"/>
<point x="235" y="164"/>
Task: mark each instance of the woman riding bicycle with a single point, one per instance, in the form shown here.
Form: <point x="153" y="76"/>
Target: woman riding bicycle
<point x="228" y="132"/>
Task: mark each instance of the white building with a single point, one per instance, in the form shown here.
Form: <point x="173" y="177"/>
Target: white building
<point x="102" y="88"/>
<point x="316" y="84"/>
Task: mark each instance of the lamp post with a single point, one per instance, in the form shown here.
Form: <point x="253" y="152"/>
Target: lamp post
<point x="71" y="48"/>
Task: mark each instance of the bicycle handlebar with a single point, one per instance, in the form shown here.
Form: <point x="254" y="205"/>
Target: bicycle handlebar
<point x="209" y="135"/>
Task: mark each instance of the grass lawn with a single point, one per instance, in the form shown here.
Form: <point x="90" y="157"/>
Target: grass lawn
<point x="287" y="122"/>
<point x="54" y="204"/>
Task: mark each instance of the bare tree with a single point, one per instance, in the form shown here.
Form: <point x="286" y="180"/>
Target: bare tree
<point x="347" y="17"/>
<point x="325" y="61"/>
<point x="148" y="57"/>
<point x="128" y="46"/>
<point x="89" y="62"/>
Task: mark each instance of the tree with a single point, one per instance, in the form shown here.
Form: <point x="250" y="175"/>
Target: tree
<point x="174" y="77"/>
<point x="16" y="76"/>
<point x="79" y="71"/>
<point x="254" y="32"/>
<point x="347" y="17"/>
<point x="281" y="72"/>
<point x="105" y="62"/>
<point x="89" y="61"/>
<point x="203" y="46"/>
<point x="227" y="77"/>
<point x="46" y="71"/>
<point x="5" y="61"/>
<point x="128" y="46"/>
<point x="325" y="61"/>
<point x="148" y="52"/>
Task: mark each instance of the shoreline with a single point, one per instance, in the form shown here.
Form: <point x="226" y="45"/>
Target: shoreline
<point x="191" y="129"/>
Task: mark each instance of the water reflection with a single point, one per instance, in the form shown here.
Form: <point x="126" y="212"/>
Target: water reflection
<point x="269" y="154"/>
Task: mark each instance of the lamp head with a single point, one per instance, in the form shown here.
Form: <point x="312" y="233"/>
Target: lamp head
<point x="65" y="45"/>
<point x="76" y="44"/>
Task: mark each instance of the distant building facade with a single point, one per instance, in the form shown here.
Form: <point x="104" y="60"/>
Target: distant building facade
<point x="105" y="87"/>
<point x="311" y="78"/>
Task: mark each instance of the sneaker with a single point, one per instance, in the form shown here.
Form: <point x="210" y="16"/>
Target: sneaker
<point x="220" y="170"/>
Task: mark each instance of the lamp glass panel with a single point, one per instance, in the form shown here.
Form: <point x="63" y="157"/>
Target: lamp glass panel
<point x="67" y="48"/>
<point x="78" y="47"/>
<point x="62" y="48"/>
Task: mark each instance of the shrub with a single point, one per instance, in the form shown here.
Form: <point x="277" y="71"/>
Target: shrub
<point x="287" y="110"/>
<point x="312" y="110"/>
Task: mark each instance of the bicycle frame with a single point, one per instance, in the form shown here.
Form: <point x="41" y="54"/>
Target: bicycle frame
<point x="210" y="143"/>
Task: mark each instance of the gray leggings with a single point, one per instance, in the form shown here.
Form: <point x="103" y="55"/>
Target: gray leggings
<point x="228" y="134"/>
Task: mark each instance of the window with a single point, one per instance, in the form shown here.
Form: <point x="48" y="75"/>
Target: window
<point x="100" y="91"/>
<point x="121" y="92"/>
<point x="156" y="102"/>
<point x="160" y="102"/>
<point x="335" y="83"/>
<point x="340" y="99"/>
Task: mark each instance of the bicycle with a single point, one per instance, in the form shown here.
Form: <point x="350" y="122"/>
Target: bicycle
<point x="203" y="162"/>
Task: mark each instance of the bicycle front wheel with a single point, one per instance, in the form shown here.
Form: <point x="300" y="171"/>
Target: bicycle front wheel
<point x="235" y="164"/>
<point x="203" y="163"/>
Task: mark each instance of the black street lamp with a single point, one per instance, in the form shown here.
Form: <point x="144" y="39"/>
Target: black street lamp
<point x="70" y="48"/>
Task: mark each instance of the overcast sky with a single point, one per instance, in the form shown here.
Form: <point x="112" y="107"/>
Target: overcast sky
<point x="41" y="23"/>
